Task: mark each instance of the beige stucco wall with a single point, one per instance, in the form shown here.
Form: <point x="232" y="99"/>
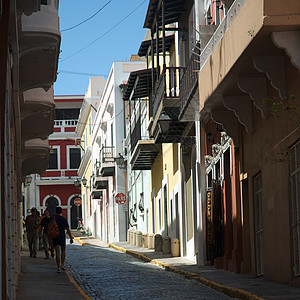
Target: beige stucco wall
<point x="230" y="48"/>
<point x="164" y="171"/>
<point x="260" y="154"/>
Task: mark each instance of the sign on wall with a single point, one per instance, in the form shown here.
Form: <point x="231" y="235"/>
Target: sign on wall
<point x="209" y="217"/>
<point x="120" y="198"/>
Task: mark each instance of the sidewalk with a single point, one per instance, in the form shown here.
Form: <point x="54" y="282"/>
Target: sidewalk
<point x="242" y="286"/>
<point x="39" y="280"/>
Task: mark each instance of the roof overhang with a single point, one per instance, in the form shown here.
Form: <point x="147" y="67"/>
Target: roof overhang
<point x="145" y="45"/>
<point x="173" y="11"/>
<point x="138" y="85"/>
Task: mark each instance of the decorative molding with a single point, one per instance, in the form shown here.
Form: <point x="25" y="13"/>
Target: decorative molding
<point x="216" y="150"/>
<point x="224" y="138"/>
<point x="242" y="108"/>
<point x="274" y="68"/>
<point x="256" y="87"/>
<point x="229" y="122"/>
<point x="289" y="41"/>
<point x="208" y="160"/>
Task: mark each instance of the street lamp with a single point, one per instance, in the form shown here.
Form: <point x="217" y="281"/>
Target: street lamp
<point x="28" y="180"/>
<point x="121" y="162"/>
<point x="164" y="123"/>
<point x="84" y="181"/>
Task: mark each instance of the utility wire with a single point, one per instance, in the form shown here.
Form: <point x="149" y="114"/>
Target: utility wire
<point x="80" y="73"/>
<point x="105" y="33"/>
<point x="70" y="28"/>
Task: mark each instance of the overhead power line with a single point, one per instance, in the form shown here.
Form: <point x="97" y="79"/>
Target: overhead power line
<point x="105" y="33"/>
<point x="92" y="16"/>
<point x="80" y="73"/>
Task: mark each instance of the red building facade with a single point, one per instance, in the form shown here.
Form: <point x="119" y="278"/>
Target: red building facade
<point x="57" y="186"/>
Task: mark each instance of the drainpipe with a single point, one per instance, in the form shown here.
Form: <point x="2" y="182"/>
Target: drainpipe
<point x="3" y="73"/>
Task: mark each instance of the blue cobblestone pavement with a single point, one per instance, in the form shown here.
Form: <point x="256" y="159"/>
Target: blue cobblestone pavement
<point x="104" y="273"/>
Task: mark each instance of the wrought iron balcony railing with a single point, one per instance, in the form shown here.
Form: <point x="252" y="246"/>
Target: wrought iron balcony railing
<point x="189" y="81"/>
<point x="106" y="155"/>
<point x="167" y="86"/>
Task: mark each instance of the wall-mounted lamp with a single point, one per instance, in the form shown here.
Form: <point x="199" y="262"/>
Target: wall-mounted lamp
<point x="141" y="202"/>
<point x="121" y="162"/>
<point x="84" y="182"/>
<point x="28" y="180"/>
<point x="164" y="123"/>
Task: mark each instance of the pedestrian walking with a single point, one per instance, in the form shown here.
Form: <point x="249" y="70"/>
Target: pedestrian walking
<point x="32" y="222"/>
<point x="48" y="243"/>
<point x="59" y="243"/>
<point x="40" y="232"/>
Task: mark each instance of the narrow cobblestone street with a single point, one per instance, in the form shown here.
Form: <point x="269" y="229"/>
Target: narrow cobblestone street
<point x="104" y="273"/>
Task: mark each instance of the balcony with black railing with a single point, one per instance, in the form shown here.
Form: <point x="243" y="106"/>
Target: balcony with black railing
<point x="165" y="100"/>
<point x="166" y="92"/>
<point x="107" y="161"/>
<point x="188" y="92"/>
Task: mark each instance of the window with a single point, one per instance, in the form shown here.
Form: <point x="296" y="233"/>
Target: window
<point x="295" y="198"/>
<point x="67" y="114"/>
<point x="53" y="160"/>
<point x="74" y="156"/>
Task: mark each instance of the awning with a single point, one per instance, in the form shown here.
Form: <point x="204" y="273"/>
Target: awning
<point x="169" y="41"/>
<point x="173" y="10"/>
<point x="138" y="84"/>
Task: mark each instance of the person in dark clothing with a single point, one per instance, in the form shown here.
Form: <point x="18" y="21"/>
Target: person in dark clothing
<point x="32" y="223"/>
<point x="59" y="243"/>
<point x="48" y="245"/>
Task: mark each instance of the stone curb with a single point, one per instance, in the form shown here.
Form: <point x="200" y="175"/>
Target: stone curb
<point x="73" y="281"/>
<point x="230" y="291"/>
<point x="78" y="240"/>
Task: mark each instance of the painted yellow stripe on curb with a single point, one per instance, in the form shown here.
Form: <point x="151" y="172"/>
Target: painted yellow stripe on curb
<point x="78" y="240"/>
<point x="73" y="281"/>
<point x="230" y="291"/>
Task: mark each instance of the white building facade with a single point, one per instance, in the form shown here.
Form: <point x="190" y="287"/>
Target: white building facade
<point x="108" y="220"/>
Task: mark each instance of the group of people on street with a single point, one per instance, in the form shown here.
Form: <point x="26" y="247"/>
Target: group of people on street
<point x="34" y="224"/>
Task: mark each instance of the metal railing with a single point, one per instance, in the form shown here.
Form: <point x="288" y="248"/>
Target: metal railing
<point x="189" y="80"/>
<point x="106" y="154"/>
<point x="65" y="123"/>
<point x="135" y="135"/>
<point x="167" y="86"/>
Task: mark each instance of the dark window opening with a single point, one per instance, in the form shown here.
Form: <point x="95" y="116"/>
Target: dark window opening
<point x="74" y="158"/>
<point x="67" y="114"/>
<point x="53" y="161"/>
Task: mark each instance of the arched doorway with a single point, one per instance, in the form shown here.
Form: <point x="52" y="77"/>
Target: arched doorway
<point x="51" y="204"/>
<point x="76" y="213"/>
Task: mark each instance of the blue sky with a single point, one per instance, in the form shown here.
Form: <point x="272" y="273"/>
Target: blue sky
<point x="96" y="59"/>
